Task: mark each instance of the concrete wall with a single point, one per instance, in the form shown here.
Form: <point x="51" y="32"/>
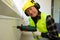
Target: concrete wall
<point x="56" y="10"/>
<point x="8" y="28"/>
<point x="59" y="11"/>
<point x="59" y="17"/>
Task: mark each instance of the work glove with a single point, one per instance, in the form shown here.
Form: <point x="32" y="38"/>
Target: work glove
<point x="37" y="33"/>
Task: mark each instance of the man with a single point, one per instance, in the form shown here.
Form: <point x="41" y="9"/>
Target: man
<point x="41" y="21"/>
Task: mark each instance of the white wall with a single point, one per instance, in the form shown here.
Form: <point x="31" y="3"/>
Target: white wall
<point x="45" y="5"/>
<point x="18" y="6"/>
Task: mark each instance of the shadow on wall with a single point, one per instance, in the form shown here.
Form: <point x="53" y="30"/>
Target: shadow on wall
<point x="58" y="27"/>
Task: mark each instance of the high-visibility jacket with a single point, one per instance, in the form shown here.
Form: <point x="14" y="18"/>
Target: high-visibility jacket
<point x="41" y="23"/>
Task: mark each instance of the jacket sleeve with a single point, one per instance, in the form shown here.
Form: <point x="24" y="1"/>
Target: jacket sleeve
<point x="52" y="28"/>
<point x="27" y="28"/>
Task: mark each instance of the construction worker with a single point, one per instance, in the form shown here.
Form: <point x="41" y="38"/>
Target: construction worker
<point x="39" y="20"/>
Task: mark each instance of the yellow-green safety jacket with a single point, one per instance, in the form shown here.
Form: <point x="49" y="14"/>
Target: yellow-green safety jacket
<point x="41" y="23"/>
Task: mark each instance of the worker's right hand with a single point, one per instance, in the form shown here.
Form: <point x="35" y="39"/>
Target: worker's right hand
<point x="37" y="33"/>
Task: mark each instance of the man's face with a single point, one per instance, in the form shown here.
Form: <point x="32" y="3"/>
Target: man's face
<point x="32" y="11"/>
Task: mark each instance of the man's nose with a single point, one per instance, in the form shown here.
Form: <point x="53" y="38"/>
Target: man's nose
<point x="30" y="11"/>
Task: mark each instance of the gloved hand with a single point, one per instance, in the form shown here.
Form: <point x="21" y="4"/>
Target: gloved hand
<point x="37" y="33"/>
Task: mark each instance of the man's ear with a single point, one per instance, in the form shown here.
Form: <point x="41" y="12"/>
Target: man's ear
<point x="37" y="6"/>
